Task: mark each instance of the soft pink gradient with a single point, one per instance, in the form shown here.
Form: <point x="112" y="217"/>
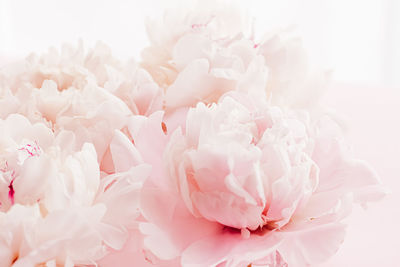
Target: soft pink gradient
<point x="372" y="117"/>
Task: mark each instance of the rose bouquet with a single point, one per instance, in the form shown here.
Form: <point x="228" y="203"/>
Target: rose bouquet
<point x="212" y="151"/>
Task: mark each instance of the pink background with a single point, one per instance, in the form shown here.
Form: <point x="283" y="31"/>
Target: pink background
<point x="373" y="120"/>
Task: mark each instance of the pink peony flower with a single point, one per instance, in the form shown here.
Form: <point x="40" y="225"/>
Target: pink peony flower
<point x="54" y="205"/>
<point x="89" y="94"/>
<point x="211" y="45"/>
<point x="247" y="184"/>
<point x="293" y="81"/>
<point x="206" y="48"/>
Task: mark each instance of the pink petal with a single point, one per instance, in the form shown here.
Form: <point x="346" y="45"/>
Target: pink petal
<point x="124" y="154"/>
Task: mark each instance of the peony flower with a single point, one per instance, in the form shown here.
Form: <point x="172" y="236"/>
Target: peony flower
<point x="89" y="94"/>
<point x="71" y="72"/>
<point x="55" y="206"/>
<point x="79" y="103"/>
<point x="292" y="81"/>
<point x="212" y="47"/>
<point x="201" y="54"/>
<point x="247" y="183"/>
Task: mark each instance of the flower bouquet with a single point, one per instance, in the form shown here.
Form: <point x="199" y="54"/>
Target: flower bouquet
<point x="213" y="150"/>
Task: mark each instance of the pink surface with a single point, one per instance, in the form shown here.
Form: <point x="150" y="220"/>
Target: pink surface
<point x="373" y="120"/>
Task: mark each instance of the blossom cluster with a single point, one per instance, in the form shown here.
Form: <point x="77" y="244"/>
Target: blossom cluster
<point x="211" y="151"/>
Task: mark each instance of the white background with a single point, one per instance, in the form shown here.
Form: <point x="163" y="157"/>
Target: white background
<point x="358" y="39"/>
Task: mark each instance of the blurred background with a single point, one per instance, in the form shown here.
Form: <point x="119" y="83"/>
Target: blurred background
<point x="358" y="39"/>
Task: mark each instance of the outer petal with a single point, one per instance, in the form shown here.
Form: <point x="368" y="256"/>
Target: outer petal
<point x="124" y="154"/>
<point x="231" y="248"/>
<point x="176" y="223"/>
<point x="195" y="83"/>
<point x="31" y="183"/>
<point x="133" y="254"/>
<point x="311" y="245"/>
<point x="120" y="193"/>
<point x="340" y="174"/>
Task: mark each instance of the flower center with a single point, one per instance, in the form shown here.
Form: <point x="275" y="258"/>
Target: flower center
<point x="9" y="175"/>
<point x="9" y="170"/>
<point x="31" y="149"/>
<point x="11" y="191"/>
<point x="28" y="150"/>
